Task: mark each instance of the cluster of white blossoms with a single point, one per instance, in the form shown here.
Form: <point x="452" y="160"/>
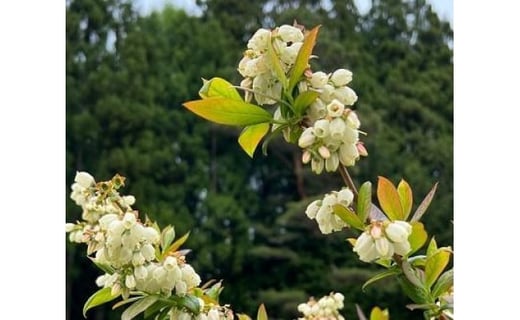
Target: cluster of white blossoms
<point x="322" y="210"/>
<point x="382" y="239"/>
<point x="324" y="309"/>
<point x="256" y="66"/>
<point x="333" y="134"/>
<point x="113" y="232"/>
<point x="207" y="312"/>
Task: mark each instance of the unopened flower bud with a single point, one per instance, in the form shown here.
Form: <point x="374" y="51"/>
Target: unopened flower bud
<point x="365" y="248"/>
<point x="290" y="34"/>
<point x="361" y="149"/>
<point x="337" y="128"/>
<point x="84" y="179"/>
<point x="129" y="220"/>
<point x="307" y="138"/>
<point x="345" y="196"/>
<point x="341" y="77"/>
<point x="324" y="152"/>
<point x="312" y="209"/>
<point x="319" y="79"/>
<point x="353" y="120"/>
<point x="398" y="231"/>
<point x="346" y="95"/>
<point x="326" y="94"/>
<point x="69" y="227"/>
<point x="317" y="165"/>
<point x="130" y="281"/>
<point x="331" y="163"/>
<point x="306" y="157"/>
<point x="384" y="248"/>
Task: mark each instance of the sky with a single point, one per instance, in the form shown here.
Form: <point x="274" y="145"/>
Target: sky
<point x="444" y="8"/>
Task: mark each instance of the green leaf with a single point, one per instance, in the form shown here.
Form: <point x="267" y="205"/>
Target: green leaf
<point x="389" y="199"/>
<point x="434" y="266"/>
<point x="379" y="276"/>
<point x="102" y="266"/>
<point x="302" y="60"/>
<point x="167" y="236"/>
<point x="432" y="247"/>
<point x="303" y="100"/>
<point x="378" y="314"/>
<point x="417" y="294"/>
<point x="261" y="314"/>
<point x="138" y="307"/>
<point x="418" y="237"/>
<point x="189" y="302"/>
<point x="442" y="285"/>
<point x="406" y="197"/>
<point x="127" y="301"/>
<point x="276" y="64"/>
<point x="424" y="204"/>
<point x="228" y="111"/>
<point x="411" y="274"/>
<point x="100" y="297"/>
<point x="218" y="87"/>
<point x="176" y="245"/>
<point x="364" y="200"/>
<point x="242" y="316"/>
<point x="251" y="137"/>
<point x="348" y="216"/>
<point x="155" y="308"/>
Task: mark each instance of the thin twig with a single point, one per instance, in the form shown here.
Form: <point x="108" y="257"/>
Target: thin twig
<point x="347" y="179"/>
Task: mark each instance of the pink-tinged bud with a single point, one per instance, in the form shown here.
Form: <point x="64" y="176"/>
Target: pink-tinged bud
<point x="376" y="231"/>
<point x="307" y="73"/>
<point x="324" y="152"/>
<point x="361" y="149"/>
<point x="306" y="157"/>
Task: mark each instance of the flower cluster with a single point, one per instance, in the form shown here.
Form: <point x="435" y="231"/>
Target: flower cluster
<point x="331" y="139"/>
<point x="382" y="239"/>
<point x="324" y="309"/>
<point x="322" y="210"/>
<point x="123" y="244"/>
<point x="257" y="68"/>
<point x="207" y="312"/>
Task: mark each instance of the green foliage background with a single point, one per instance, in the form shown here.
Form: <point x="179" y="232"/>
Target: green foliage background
<point x="127" y="76"/>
